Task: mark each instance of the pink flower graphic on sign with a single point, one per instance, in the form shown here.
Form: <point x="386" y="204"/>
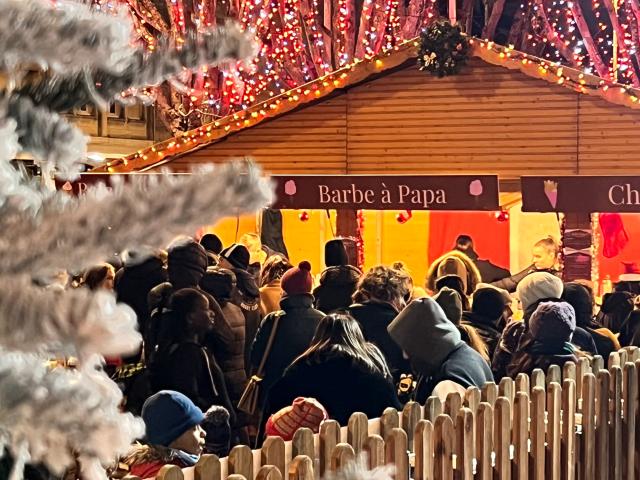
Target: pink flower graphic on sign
<point x="67" y="187"/>
<point x="551" y="192"/>
<point x="475" y="188"/>
<point x="290" y="188"/>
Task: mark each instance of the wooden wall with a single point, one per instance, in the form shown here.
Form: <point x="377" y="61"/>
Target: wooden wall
<point x="486" y="120"/>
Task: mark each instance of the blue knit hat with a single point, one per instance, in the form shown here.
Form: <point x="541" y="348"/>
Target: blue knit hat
<point x="169" y="414"/>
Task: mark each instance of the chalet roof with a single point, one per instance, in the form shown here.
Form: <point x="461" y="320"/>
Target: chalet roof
<point x="356" y="73"/>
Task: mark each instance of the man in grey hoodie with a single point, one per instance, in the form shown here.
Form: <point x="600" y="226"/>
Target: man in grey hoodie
<point x="436" y="351"/>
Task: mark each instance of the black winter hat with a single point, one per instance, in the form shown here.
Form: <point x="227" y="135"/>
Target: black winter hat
<point x="188" y="256"/>
<point x="218" y="282"/>
<point x="335" y="254"/>
<point x="211" y="243"/>
<point x="489" y="302"/>
<point x="237" y="255"/>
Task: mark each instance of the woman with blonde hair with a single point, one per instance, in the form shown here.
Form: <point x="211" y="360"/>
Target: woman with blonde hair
<point x="340" y="370"/>
<point x="99" y="277"/>
<point x="270" y="290"/>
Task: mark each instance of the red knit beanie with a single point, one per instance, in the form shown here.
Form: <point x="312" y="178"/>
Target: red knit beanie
<point x="304" y="413"/>
<point x="297" y="280"/>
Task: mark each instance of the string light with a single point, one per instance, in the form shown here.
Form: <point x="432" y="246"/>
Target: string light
<point x="551" y="71"/>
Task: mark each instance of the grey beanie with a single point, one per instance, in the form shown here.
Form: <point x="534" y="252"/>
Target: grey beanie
<point x="538" y="286"/>
<point x="423" y="331"/>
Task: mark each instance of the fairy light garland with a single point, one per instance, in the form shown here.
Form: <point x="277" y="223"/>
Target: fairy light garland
<point x="552" y="72"/>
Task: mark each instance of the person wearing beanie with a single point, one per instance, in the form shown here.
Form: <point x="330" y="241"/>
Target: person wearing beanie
<point x="581" y="299"/>
<point x="340" y="370"/>
<point x="303" y="413"/>
<point x="338" y="281"/>
<point x="221" y="283"/>
<point x="296" y="323"/>
<point x="247" y="294"/>
<point x="381" y="294"/>
<point x="211" y="243"/>
<point x="449" y="301"/>
<point x="548" y="340"/>
<point x="270" y="288"/>
<point x="443" y="361"/>
<point x="174" y="435"/>
<point x="490" y="308"/>
<point x="216" y="426"/>
<point x="535" y="288"/>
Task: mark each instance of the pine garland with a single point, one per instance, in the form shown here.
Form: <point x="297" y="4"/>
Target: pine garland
<point x="444" y="49"/>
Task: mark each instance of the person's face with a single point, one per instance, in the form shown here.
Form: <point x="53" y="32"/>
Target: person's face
<point x="201" y="317"/>
<point x="191" y="441"/>
<point x="107" y="283"/>
<point x="543" y="258"/>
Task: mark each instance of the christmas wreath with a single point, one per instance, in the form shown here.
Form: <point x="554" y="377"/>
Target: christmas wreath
<point x="444" y="49"/>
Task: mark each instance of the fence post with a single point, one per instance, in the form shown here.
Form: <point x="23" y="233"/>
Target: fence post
<point x="388" y="421"/>
<point x="207" y="468"/>
<point x="522" y="383"/>
<point x="341" y="456"/>
<point x="597" y="364"/>
<point x="241" y="461"/>
<point x="423" y="448"/>
<point x="303" y="443"/>
<point x="484" y="441"/>
<point x="272" y="453"/>
<point x="614" y="359"/>
<point x="569" y="400"/>
<point x="444" y="438"/>
<point x="453" y="404"/>
<point x="538" y="379"/>
<point x="602" y="424"/>
<point x="396" y="453"/>
<point x="520" y="436"/>
<point x="472" y="399"/>
<point x="554" y="403"/>
<point x="615" y="423"/>
<point x="410" y="417"/>
<point x="537" y="432"/>
<point x="569" y="371"/>
<point x="374" y="446"/>
<point x="588" y="442"/>
<point x="507" y="389"/>
<point x="269" y="472"/>
<point x="630" y="391"/>
<point x="490" y="393"/>
<point x="554" y="374"/>
<point x="582" y="369"/>
<point x="301" y="468"/>
<point x="465" y="446"/>
<point x="502" y="425"/>
<point x="170" y="472"/>
<point x="236" y="476"/>
<point x="357" y="431"/>
<point x="432" y="409"/>
<point x="329" y="438"/>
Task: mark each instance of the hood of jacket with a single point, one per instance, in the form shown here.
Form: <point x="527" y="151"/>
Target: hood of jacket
<point x="480" y="322"/>
<point x="246" y="283"/>
<point x="423" y="331"/>
<point x="473" y="274"/>
<point x="340" y="275"/>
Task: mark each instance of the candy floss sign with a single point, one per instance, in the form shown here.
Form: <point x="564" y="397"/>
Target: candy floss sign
<point x="374" y="192"/>
<point x="581" y="194"/>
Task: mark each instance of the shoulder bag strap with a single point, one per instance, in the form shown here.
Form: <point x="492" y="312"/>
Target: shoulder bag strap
<point x="267" y="349"/>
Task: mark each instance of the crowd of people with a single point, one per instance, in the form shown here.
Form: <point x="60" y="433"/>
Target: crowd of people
<point x="240" y="344"/>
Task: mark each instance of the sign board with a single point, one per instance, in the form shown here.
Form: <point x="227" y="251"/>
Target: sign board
<point x="372" y="192"/>
<point x="581" y="194"/>
<point x="380" y="192"/>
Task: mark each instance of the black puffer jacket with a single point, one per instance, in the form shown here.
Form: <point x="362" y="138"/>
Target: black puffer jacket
<point x="247" y="297"/>
<point x="337" y="285"/>
<point x="374" y="318"/>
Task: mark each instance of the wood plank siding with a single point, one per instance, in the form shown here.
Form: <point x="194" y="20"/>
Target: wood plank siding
<point x="486" y="120"/>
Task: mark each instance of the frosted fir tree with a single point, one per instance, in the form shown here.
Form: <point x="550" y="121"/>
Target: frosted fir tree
<point x="55" y="56"/>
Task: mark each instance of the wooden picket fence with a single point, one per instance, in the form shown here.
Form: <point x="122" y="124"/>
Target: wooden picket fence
<point x="575" y="423"/>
